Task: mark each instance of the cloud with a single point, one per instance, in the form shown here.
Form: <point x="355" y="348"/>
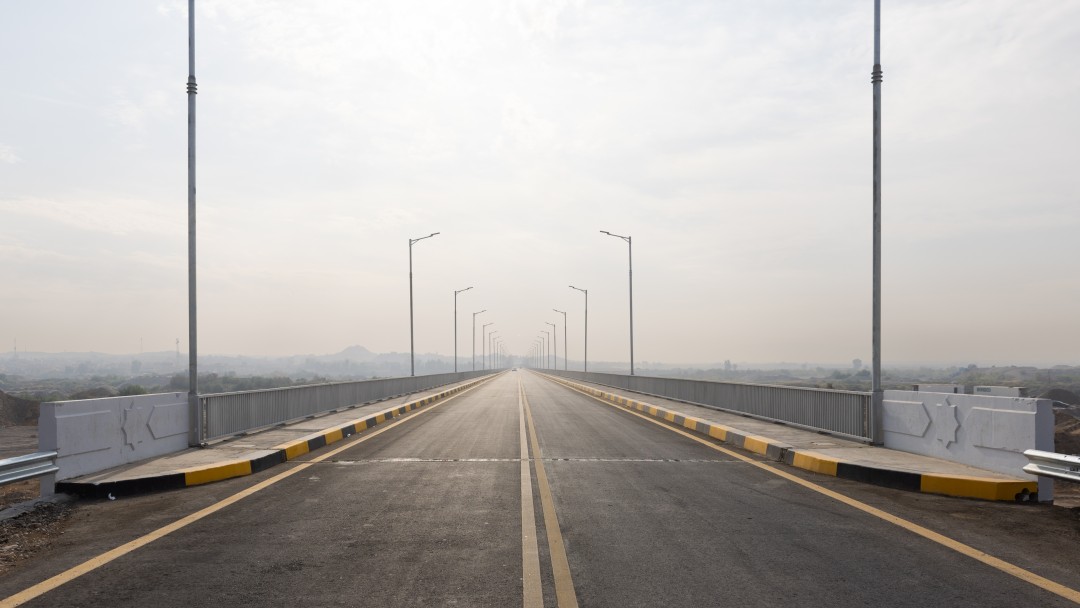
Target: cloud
<point x="7" y="155"/>
<point x="118" y="217"/>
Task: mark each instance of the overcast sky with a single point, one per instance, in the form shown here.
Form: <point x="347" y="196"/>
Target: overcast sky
<point x="731" y="139"/>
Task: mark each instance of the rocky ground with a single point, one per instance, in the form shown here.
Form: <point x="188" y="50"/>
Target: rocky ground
<point x="28" y="528"/>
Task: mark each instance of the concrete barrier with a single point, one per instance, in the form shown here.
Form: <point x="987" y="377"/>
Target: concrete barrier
<point x="92" y="435"/>
<point x="987" y="432"/>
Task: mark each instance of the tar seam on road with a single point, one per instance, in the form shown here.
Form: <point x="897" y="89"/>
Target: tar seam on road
<point x="531" y="591"/>
<point x="560" y="566"/>
<point x="96" y="562"/>
<point x="994" y="562"/>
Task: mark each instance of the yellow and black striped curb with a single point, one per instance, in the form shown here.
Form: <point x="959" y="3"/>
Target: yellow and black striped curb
<point x="267" y="458"/>
<point x="986" y="488"/>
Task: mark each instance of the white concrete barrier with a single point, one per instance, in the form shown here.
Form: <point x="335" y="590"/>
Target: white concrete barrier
<point x="92" y="435"/>
<point x="982" y="431"/>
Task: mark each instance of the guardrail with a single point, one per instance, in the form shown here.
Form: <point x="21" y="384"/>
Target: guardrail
<point x="27" y="467"/>
<point x="842" y="413"/>
<point x="227" y="414"/>
<point x="1049" y="464"/>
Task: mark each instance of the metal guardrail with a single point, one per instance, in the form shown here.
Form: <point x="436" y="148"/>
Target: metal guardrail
<point x="1049" y="464"/>
<point x="227" y="414"/>
<point x="842" y="413"/>
<point x="27" y="467"/>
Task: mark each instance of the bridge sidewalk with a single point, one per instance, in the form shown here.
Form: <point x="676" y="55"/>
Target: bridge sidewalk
<point x="253" y="452"/>
<point x="821" y="453"/>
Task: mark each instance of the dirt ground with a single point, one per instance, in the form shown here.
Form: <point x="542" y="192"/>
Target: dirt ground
<point x="26" y="534"/>
<point x="18" y="440"/>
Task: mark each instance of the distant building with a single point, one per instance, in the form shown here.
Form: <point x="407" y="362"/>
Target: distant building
<point x="1001" y="391"/>
<point x="856" y="364"/>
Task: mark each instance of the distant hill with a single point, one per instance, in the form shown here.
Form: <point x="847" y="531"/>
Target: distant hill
<point x="16" y="412"/>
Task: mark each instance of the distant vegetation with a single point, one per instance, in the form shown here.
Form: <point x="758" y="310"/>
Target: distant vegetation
<point x="1038" y="381"/>
<point x="97" y="387"/>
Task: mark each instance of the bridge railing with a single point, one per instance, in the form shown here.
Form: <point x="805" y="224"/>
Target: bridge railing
<point x="27" y="466"/>
<point x="843" y="413"/>
<point x="226" y="414"/>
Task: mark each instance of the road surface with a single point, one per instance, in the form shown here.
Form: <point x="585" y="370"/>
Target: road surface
<point x="522" y="492"/>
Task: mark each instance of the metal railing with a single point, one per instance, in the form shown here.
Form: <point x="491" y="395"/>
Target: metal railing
<point x="227" y="414"/>
<point x="27" y="467"/>
<point x="1049" y="464"/>
<point x="843" y="413"/>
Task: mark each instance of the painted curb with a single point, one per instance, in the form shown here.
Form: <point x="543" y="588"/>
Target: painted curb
<point x="985" y="488"/>
<point x="265" y="459"/>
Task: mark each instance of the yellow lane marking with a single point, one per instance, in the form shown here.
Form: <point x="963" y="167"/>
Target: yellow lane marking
<point x="96" y="562"/>
<point x="999" y="564"/>
<point x="531" y="590"/>
<point x="564" y="583"/>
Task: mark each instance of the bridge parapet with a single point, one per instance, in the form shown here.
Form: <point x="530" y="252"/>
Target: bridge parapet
<point x="845" y="414"/>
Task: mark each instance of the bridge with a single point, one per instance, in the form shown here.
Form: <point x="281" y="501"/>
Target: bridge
<point x="538" y="488"/>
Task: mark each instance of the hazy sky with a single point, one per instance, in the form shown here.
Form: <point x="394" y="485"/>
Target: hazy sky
<point x="731" y="139"/>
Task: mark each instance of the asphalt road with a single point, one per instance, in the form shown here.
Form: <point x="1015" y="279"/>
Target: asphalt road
<point x="429" y="512"/>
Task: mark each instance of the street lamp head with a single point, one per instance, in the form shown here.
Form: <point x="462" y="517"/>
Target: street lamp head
<point x="558" y="311"/>
<point x="413" y="241"/>
<point x="479" y="311"/>
<point x="461" y="290"/>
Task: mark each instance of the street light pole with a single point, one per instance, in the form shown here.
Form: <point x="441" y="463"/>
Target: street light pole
<point x="875" y="79"/>
<point x="586" y="292"/>
<point x="483" y="344"/>
<point x="491" y="349"/>
<point x="565" y="359"/>
<point x="412" y="344"/>
<point x="196" y="436"/>
<point x="555" y="344"/>
<point x="474" y="338"/>
<point x="547" y="347"/>
<point x="455" y="324"/>
<point x="630" y="247"/>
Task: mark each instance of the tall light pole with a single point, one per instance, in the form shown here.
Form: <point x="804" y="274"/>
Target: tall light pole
<point x="586" y="292"/>
<point x="474" y="337"/>
<point x="412" y="344"/>
<point x="565" y="360"/>
<point x="547" y="346"/>
<point x="193" y="329"/>
<point x="455" y="324"/>
<point x="483" y="344"/>
<point x="630" y="247"/>
<point x="491" y="349"/>
<point x="875" y="79"/>
<point x="555" y="340"/>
